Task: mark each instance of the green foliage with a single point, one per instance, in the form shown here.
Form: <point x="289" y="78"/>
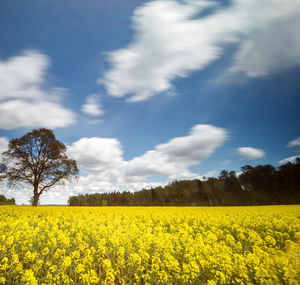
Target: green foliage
<point x="5" y="201"/>
<point x="258" y="185"/>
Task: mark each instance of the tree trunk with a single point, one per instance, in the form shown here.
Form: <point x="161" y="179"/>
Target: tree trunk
<point x="210" y="203"/>
<point x="36" y="196"/>
<point x="35" y="200"/>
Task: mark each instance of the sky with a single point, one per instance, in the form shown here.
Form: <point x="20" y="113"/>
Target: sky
<point x="147" y="92"/>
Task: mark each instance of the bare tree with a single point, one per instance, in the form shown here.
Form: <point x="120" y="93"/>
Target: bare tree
<point x="38" y="159"/>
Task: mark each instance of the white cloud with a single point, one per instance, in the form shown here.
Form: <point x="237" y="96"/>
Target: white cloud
<point x="3" y="145"/>
<point x="174" y="157"/>
<point x="21" y="196"/>
<point x="24" y="101"/>
<point x="104" y="156"/>
<point x="291" y="159"/>
<point x="170" y="41"/>
<point x="94" y="184"/>
<point x="92" y="106"/>
<point x="212" y="173"/>
<point x="97" y="154"/>
<point x="20" y="113"/>
<point x="249" y="153"/>
<point x="272" y="44"/>
<point x="104" y="169"/>
<point x="293" y="143"/>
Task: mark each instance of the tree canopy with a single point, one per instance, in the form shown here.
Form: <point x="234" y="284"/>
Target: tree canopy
<point x="38" y="159"/>
<point x="260" y="185"/>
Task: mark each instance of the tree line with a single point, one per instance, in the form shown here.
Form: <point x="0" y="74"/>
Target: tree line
<point x="260" y="185"/>
<point x="5" y="201"/>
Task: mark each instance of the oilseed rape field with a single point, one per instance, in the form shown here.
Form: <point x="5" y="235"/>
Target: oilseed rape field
<point x="150" y="245"/>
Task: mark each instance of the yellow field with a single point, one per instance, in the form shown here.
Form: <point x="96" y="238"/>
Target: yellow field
<point x="151" y="245"/>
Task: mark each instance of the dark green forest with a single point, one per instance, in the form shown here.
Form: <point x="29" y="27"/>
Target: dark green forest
<point x="5" y="201"/>
<point x="260" y="185"/>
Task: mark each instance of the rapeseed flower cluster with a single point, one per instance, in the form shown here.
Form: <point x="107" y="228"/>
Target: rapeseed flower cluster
<point x="150" y="245"/>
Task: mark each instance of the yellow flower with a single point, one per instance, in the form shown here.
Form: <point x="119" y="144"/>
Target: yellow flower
<point x="93" y="277"/>
<point x="67" y="262"/>
<point x="45" y="251"/>
<point x="79" y="268"/>
<point x="28" y="278"/>
<point x="270" y="241"/>
<point x="149" y="245"/>
<point x="15" y="258"/>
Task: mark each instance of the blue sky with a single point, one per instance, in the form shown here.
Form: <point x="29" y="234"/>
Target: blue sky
<point x="145" y="92"/>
